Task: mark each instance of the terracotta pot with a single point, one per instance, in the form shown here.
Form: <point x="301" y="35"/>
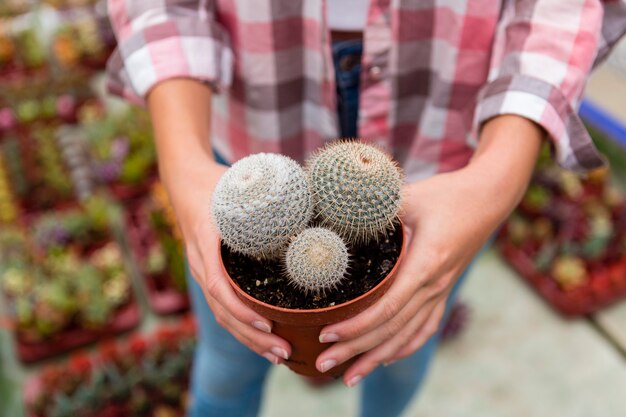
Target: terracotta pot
<point x="301" y="328"/>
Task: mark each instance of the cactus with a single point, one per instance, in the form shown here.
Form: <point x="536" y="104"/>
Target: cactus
<point x="316" y="260"/>
<point x="260" y="203"/>
<point x="356" y="190"/>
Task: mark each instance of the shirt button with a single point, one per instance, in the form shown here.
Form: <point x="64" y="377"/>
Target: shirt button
<point x="375" y="72"/>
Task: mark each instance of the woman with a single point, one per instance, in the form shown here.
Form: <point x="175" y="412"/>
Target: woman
<point x="462" y="92"/>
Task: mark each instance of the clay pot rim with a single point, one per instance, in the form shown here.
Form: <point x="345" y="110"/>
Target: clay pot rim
<point x="293" y="311"/>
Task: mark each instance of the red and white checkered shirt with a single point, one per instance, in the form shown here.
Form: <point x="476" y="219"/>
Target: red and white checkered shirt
<point x="433" y="71"/>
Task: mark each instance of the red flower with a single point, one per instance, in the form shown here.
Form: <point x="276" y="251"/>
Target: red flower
<point x="109" y="351"/>
<point x="138" y="345"/>
<point x="80" y="364"/>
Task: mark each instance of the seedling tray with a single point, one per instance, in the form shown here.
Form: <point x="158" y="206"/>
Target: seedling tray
<point x="605" y="285"/>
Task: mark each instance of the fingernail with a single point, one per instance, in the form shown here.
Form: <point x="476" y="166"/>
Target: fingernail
<point x="280" y="352"/>
<point x="262" y="326"/>
<point x="354" y="381"/>
<point x="328" y="338"/>
<point x="271" y="357"/>
<point x="326" y="365"/>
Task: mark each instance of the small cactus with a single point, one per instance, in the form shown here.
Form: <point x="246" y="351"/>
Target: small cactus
<point x="316" y="260"/>
<point x="260" y="203"/>
<point x="356" y="190"/>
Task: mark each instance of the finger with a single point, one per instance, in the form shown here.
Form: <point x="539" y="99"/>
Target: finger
<point x="215" y="283"/>
<point x="429" y="330"/>
<point x="386" y="352"/>
<point x="417" y="270"/>
<point x="267" y="345"/>
<point x="343" y="351"/>
<point x="231" y="313"/>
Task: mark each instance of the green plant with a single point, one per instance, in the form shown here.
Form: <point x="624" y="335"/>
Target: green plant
<point x="122" y="148"/>
<point x="54" y="173"/>
<point x="317" y="260"/>
<point x="167" y="252"/>
<point x="569" y="272"/>
<point x="537" y="197"/>
<point x="8" y="207"/>
<point x="356" y="190"/>
<point x="31" y="50"/>
<point x="260" y="203"/>
<point x="14" y="167"/>
<point x="78" y="228"/>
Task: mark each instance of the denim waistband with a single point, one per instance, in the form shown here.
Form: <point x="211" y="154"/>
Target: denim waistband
<point x="347" y="60"/>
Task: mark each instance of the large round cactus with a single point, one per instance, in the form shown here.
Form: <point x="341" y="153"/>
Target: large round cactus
<point x="356" y="189"/>
<point x="316" y="260"/>
<point x="260" y="203"/>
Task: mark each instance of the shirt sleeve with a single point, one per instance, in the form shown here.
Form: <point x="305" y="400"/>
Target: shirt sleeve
<point x="542" y="54"/>
<point x="159" y="40"/>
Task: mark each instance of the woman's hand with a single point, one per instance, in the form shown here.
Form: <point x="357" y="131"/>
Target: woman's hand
<point x="180" y="110"/>
<point x="448" y="218"/>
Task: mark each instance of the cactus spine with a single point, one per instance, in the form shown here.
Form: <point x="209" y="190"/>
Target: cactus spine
<point x="356" y="190"/>
<point x="316" y="260"/>
<point x="260" y="203"/>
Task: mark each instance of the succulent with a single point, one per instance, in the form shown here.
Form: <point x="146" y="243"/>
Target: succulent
<point x="51" y="160"/>
<point x="260" y="203"/>
<point x="601" y="233"/>
<point x="28" y="110"/>
<point x="542" y="229"/>
<point x="317" y="260"/>
<point x="518" y="229"/>
<point x="536" y="198"/>
<point x="356" y="190"/>
<point x="7" y="49"/>
<point x="16" y="281"/>
<point x="74" y="154"/>
<point x="161" y="199"/>
<point x="569" y="272"/>
<point x="122" y="148"/>
<point x="107" y="257"/>
<point x="97" y="313"/>
<point x="155" y="262"/>
<point x="8" y="207"/>
<point x="65" y="48"/>
<point x="7" y="119"/>
<point x="31" y="49"/>
<point x="613" y="196"/>
<point x="89" y="37"/>
<point x="571" y="184"/>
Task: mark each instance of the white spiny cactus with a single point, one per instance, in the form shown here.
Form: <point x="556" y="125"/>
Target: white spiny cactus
<point x="356" y="189"/>
<point x="260" y="203"/>
<point x="316" y="260"/>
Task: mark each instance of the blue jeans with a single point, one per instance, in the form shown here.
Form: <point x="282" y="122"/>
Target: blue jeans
<point x="228" y="378"/>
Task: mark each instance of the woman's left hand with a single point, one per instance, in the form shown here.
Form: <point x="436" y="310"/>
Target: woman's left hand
<point x="447" y="219"/>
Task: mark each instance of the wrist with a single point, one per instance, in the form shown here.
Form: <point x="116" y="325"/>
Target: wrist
<point x="505" y="159"/>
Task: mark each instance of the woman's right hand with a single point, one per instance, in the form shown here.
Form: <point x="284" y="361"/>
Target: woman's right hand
<point x="179" y="110"/>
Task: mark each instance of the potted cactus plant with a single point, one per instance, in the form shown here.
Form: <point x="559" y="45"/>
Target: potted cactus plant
<point x="306" y="248"/>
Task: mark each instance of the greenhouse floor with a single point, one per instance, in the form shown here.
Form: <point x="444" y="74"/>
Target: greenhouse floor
<point x="516" y="358"/>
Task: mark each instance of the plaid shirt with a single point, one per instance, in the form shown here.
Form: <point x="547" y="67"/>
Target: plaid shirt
<point x="433" y="71"/>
